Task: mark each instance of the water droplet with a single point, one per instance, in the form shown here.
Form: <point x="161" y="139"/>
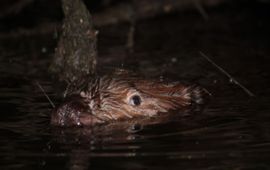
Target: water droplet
<point x="173" y="59"/>
<point x="43" y="49"/>
<point x="135" y="128"/>
<point x="161" y="78"/>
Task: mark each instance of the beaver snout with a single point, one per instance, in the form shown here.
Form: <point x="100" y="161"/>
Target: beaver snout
<point x="74" y="111"/>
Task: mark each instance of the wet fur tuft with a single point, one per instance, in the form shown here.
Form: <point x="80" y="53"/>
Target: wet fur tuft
<point x="199" y="95"/>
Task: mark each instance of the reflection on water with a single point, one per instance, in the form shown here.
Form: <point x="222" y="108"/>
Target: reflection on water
<point x="232" y="132"/>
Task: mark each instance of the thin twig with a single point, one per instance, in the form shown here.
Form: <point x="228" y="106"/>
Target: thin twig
<point x="233" y="80"/>
<point x="201" y="9"/>
<point x="67" y="89"/>
<point x="41" y="88"/>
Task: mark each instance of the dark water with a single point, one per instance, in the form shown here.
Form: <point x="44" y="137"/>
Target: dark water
<point x="232" y="132"/>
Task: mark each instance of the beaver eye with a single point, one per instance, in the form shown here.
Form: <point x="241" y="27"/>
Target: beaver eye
<point x="135" y="100"/>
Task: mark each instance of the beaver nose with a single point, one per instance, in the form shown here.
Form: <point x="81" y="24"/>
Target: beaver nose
<point x="69" y="112"/>
<point x="74" y="111"/>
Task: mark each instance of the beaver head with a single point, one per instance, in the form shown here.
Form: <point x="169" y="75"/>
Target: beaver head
<point x="106" y="99"/>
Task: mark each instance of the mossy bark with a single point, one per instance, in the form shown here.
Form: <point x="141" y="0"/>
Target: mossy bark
<point x="76" y="52"/>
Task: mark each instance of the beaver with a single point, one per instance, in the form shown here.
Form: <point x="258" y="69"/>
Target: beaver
<point x="124" y="97"/>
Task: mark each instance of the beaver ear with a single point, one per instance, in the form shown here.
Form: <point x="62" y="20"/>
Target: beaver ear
<point x="194" y="94"/>
<point x="175" y="95"/>
<point x="179" y="97"/>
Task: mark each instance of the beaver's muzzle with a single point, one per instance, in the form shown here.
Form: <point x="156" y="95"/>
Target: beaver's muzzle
<point x="74" y="111"/>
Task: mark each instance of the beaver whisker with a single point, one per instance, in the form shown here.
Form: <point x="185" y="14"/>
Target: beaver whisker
<point x="45" y="94"/>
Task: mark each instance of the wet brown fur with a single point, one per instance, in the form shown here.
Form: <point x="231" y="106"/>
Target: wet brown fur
<point x="108" y="99"/>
